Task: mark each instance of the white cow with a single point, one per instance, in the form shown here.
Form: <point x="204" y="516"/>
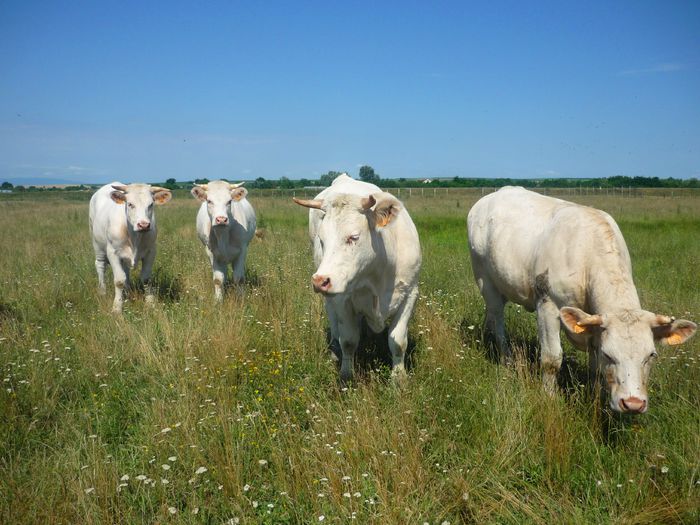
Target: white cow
<point x="123" y="228"/>
<point x="367" y="252"/>
<point x="569" y="263"/>
<point x="225" y="225"/>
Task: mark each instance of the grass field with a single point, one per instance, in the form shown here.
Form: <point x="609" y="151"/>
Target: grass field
<point x="191" y="412"/>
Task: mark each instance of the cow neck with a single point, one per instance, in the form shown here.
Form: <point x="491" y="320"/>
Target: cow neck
<point x="612" y="291"/>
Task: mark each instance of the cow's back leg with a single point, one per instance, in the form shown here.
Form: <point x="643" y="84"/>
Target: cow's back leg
<point x="398" y="335"/>
<point x="494" y="324"/>
<point x="100" y="263"/>
<point x="548" y="326"/>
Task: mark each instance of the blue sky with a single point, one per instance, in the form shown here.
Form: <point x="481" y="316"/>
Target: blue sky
<point x="98" y="91"/>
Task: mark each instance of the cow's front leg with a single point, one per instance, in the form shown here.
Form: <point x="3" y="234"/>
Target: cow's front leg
<point x="121" y="279"/>
<point x="238" y="268"/>
<point x="219" y="271"/>
<point x="398" y="336"/>
<point x="349" y="337"/>
<point x="146" y="270"/>
<point x="336" y="352"/>
<point x="548" y="326"/>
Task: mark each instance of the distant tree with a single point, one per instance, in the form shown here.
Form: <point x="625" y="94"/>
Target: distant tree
<point x="328" y="178"/>
<point x="285" y="183"/>
<point x="367" y="174"/>
<point x="304" y="182"/>
<point x="171" y="184"/>
<point x="20" y="188"/>
<point x="201" y="181"/>
<point x="6" y="186"/>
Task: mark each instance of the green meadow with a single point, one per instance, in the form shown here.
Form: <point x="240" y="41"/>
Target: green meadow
<point x="196" y="412"/>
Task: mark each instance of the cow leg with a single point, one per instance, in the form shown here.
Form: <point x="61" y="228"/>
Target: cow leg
<point x="349" y="337"/>
<point x="548" y="326"/>
<point x="219" y="270"/>
<point x="121" y="279"/>
<point x="494" y="323"/>
<point x="100" y="263"/>
<point x="239" y="266"/>
<point x="336" y="352"/>
<point x="398" y="336"/>
<point x="146" y="270"/>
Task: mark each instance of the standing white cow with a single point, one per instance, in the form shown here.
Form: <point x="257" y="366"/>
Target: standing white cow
<point x="367" y="252"/>
<point x="570" y="264"/>
<point x="225" y="225"/>
<point x="123" y="228"/>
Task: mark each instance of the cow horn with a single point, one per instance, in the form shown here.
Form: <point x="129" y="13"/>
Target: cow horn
<point x="203" y="186"/>
<point x="664" y="319"/>
<point x="119" y="187"/>
<point x="234" y="186"/>
<point x="591" y="320"/>
<point x="317" y="204"/>
<point x="368" y="202"/>
<point x="156" y="189"/>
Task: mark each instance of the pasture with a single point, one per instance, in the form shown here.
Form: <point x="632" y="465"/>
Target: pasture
<point x="192" y="412"/>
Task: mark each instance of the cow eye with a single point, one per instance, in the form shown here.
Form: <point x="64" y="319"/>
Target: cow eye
<point x="353" y="238"/>
<point x="229" y="202"/>
<point x="131" y="205"/>
<point x="209" y="201"/>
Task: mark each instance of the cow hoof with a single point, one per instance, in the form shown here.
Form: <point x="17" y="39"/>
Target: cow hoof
<point x="399" y="377"/>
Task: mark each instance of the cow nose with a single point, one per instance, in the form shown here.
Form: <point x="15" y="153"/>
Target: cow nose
<point x="322" y="283"/>
<point x="633" y="405"/>
<point x="221" y="219"/>
<point x="143" y="225"/>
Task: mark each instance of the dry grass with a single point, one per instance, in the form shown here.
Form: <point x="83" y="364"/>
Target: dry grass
<point x="246" y="390"/>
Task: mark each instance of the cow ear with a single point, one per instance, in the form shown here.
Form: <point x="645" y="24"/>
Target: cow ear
<point x="238" y="194"/>
<point x="199" y="192"/>
<point x="118" y="196"/>
<point x="673" y="332"/>
<point x="578" y="322"/>
<point x="162" y="196"/>
<point x="386" y="209"/>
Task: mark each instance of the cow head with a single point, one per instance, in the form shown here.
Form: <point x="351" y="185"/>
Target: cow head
<point x="624" y="346"/>
<point x="347" y="236"/>
<point x="139" y="200"/>
<point x="219" y="195"/>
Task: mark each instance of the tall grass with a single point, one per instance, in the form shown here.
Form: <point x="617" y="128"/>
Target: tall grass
<point x="192" y="412"/>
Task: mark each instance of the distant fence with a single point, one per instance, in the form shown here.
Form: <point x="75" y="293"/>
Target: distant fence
<point x="404" y="193"/>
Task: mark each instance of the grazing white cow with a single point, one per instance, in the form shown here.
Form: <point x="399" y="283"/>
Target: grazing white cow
<point x="569" y="263"/>
<point x="123" y="228"/>
<point x="225" y="225"/>
<point x="367" y="253"/>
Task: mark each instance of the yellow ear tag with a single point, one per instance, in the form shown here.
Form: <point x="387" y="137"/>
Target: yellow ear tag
<point x="578" y="329"/>
<point x="674" y="339"/>
<point x="382" y="220"/>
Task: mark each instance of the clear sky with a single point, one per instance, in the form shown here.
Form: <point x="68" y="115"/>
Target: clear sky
<point x="96" y="91"/>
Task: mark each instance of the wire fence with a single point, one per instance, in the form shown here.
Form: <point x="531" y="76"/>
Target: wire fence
<point x="407" y="193"/>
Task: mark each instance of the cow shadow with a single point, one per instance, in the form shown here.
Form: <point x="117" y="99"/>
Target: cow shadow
<point x="373" y="352"/>
<point x="526" y="351"/>
<point x="167" y="286"/>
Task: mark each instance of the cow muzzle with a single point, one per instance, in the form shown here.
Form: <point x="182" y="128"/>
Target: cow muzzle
<point x="143" y="225"/>
<point x="221" y="220"/>
<point x="321" y="283"/>
<point x="633" y="405"/>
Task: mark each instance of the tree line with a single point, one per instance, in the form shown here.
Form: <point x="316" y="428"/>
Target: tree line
<point x="368" y="174"/>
